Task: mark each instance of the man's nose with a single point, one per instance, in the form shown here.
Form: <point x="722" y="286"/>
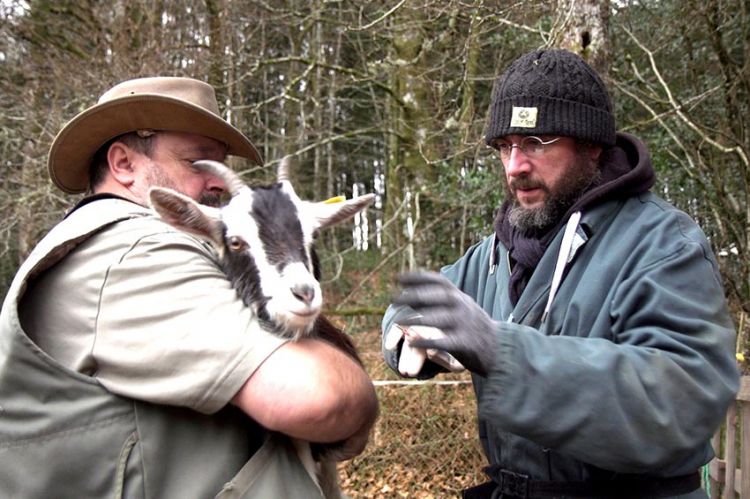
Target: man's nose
<point x="517" y="163"/>
<point x="214" y="185"/>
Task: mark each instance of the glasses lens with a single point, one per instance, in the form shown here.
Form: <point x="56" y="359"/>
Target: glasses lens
<point x="532" y="146"/>
<point x="503" y="149"/>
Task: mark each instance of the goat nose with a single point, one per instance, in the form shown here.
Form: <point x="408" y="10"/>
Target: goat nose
<point x="304" y="293"/>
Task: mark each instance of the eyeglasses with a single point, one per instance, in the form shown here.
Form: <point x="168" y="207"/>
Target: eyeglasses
<point x="531" y="146"/>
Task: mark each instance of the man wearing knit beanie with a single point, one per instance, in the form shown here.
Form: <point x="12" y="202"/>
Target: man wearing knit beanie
<point x="593" y="320"/>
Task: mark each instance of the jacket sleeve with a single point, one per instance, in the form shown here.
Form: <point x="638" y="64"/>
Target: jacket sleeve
<point x="640" y="401"/>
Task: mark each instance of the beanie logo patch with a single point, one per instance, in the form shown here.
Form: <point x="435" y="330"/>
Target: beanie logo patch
<point x="523" y="117"/>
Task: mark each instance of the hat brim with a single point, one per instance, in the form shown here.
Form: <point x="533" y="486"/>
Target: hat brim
<point x="74" y="147"/>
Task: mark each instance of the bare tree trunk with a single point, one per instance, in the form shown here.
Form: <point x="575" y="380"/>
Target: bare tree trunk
<point x="413" y="119"/>
<point x="319" y="51"/>
<point x="582" y="26"/>
<point x="25" y="210"/>
<point x="216" y="48"/>
<point x="333" y="240"/>
<point x="467" y="111"/>
<point x="394" y="179"/>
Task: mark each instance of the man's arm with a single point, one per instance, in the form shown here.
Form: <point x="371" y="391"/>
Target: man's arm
<point x="310" y="390"/>
<point x="171" y="330"/>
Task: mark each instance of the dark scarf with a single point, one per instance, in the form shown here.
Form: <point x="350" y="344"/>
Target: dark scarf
<point x="625" y="171"/>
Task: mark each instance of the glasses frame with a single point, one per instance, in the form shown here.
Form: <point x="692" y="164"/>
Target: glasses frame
<point x="523" y="145"/>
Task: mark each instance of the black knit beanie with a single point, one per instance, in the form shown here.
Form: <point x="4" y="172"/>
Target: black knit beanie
<point x="551" y="92"/>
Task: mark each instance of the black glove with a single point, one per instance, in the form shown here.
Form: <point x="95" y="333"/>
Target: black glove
<point x="469" y="331"/>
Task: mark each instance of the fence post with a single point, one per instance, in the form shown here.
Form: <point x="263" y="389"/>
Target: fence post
<point x="716" y="466"/>
<point x="730" y="454"/>
<point x="723" y="472"/>
<point x="743" y="397"/>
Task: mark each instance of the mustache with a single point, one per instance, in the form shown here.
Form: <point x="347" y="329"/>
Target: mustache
<point x="213" y="200"/>
<point x="527" y="183"/>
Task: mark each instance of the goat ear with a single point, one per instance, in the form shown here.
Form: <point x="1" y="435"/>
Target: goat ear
<point x="181" y="212"/>
<point x="328" y="214"/>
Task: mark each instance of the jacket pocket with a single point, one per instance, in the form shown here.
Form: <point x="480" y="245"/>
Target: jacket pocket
<point x="274" y="471"/>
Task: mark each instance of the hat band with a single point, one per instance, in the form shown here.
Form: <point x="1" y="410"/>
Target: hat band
<point x="551" y="117"/>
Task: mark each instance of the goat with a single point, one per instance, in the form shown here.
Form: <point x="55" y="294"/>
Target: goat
<point x="264" y="237"/>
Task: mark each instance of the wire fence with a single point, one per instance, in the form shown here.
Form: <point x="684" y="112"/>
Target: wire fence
<point x="425" y="443"/>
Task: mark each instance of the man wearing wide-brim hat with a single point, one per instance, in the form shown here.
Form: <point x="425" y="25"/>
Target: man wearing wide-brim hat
<point x="128" y="365"/>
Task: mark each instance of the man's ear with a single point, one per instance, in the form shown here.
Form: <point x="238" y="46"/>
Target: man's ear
<point x="120" y="161"/>
<point x="595" y="153"/>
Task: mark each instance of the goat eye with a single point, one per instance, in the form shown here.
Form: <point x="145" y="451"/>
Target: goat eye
<point x="236" y="243"/>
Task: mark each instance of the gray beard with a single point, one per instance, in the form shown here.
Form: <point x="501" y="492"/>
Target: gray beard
<point x="584" y="174"/>
<point x="528" y="219"/>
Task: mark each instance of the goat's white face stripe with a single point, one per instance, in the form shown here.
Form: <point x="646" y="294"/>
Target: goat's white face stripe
<point x="238" y="223"/>
<point x="306" y="215"/>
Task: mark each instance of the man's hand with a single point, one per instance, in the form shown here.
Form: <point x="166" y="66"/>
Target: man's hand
<point x="469" y="331"/>
<point x="412" y="358"/>
<point x="345" y="449"/>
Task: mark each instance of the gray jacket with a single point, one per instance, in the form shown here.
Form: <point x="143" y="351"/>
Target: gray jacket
<point x="633" y="368"/>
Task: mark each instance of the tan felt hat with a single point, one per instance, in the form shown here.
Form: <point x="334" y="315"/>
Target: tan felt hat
<point x="157" y="103"/>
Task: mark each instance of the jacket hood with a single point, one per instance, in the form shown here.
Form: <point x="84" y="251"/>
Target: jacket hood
<point x="626" y="171"/>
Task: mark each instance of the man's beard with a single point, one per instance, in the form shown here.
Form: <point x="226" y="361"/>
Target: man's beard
<point x="583" y="173"/>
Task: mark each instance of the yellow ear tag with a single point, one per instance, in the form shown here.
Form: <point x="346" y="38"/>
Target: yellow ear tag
<point x="740" y="357"/>
<point x="334" y="200"/>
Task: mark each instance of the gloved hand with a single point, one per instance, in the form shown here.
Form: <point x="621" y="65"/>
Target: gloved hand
<point x="469" y="331"/>
<point x="412" y="358"/>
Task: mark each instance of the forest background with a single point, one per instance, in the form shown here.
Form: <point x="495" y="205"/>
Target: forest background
<point x="391" y="97"/>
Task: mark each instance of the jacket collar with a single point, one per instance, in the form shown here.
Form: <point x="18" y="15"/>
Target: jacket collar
<point x="531" y="305"/>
